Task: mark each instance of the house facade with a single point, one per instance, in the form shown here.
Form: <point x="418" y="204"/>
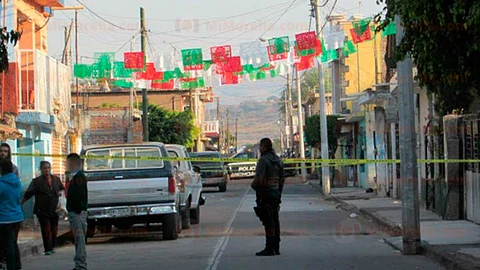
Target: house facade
<point x="37" y="91"/>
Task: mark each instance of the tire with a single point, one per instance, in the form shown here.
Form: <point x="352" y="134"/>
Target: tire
<point x="223" y="188"/>
<point x="170" y="227"/>
<point x="186" y="217"/>
<point x="195" y="215"/>
<point x="90" y="230"/>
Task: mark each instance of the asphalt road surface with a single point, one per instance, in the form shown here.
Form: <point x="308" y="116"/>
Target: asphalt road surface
<point x="316" y="234"/>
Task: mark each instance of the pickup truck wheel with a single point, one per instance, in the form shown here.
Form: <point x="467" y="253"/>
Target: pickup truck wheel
<point x="223" y="188"/>
<point x="170" y="227"/>
<point x="195" y="215"/>
<point x="90" y="230"/>
<point x="186" y="217"/>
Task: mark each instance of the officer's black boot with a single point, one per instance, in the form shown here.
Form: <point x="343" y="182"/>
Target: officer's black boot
<point x="269" y="248"/>
<point x="276" y="248"/>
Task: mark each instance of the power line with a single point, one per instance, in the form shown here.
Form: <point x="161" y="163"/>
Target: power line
<point x="235" y="28"/>
<point x="103" y="19"/>
<point x="267" y="21"/>
<point x="278" y="19"/>
<point x="229" y="17"/>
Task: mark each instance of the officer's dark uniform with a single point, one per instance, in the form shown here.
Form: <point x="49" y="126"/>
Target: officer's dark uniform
<point x="268" y="184"/>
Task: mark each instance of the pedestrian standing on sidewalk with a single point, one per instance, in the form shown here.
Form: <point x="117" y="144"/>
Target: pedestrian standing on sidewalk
<point x="46" y="189"/>
<point x="6" y="153"/>
<point x="268" y="185"/>
<point x="10" y="213"/>
<point x="77" y="200"/>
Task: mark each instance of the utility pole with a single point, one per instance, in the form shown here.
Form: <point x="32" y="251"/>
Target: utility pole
<point x="323" y="115"/>
<point x="76" y="9"/>
<point x="228" y="132"/>
<point x="408" y="153"/>
<point x="236" y="135"/>
<point x="301" y="143"/>
<point x="219" y="125"/>
<point x="290" y="107"/>
<point x="66" y="57"/>
<point x="287" y="142"/>
<point x="143" y="31"/>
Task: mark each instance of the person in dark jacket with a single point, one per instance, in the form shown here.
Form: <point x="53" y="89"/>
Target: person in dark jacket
<point x="10" y="213"/>
<point x="77" y="201"/>
<point x="268" y="185"/>
<point x="46" y="189"/>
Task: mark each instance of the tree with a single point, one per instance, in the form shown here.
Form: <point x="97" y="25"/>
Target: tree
<point x="171" y="127"/>
<point x="312" y="132"/>
<point x="443" y="38"/>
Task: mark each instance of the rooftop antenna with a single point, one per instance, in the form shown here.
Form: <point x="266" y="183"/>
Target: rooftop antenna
<point x="359" y="6"/>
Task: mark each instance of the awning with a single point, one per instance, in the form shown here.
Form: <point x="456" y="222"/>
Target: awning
<point x="356" y="117"/>
<point x="9" y="133"/>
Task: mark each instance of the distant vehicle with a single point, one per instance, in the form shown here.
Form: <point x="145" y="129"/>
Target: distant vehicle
<point x="213" y="172"/>
<point x="190" y="185"/>
<point x="239" y="170"/>
<point x="125" y="192"/>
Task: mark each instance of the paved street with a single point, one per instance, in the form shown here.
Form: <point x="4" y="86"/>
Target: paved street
<point x="316" y="235"/>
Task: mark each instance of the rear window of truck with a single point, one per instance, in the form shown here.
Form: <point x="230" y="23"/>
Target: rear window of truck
<point x="106" y="164"/>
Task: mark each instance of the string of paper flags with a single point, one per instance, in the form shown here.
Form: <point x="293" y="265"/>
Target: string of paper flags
<point x="255" y="61"/>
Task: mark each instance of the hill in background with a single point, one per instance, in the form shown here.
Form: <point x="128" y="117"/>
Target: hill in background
<point x="256" y="120"/>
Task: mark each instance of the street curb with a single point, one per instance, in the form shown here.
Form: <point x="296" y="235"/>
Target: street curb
<point x="451" y="261"/>
<point x="390" y="227"/>
<point x="35" y="247"/>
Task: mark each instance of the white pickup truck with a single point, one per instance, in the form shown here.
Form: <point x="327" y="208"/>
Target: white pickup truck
<point x="124" y="192"/>
<point x="189" y="183"/>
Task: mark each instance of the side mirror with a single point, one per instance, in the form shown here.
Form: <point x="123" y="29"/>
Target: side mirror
<point x="197" y="169"/>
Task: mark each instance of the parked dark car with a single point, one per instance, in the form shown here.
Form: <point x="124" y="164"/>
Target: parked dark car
<point x="213" y="172"/>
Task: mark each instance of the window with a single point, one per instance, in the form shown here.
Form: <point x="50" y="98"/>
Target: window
<point x="149" y="152"/>
<point x="100" y="164"/>
<point x="174" y="154"/>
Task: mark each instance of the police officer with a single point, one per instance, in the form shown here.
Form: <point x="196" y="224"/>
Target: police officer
<point x="268" y="185"/>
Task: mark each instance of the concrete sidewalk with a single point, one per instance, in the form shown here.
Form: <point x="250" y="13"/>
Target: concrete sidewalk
<point x="455" y="244"/>
<point x="30" y="238"/>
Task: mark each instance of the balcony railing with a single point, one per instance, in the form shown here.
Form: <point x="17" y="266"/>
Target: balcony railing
<point x="212" y="128"/>
<point x="43" y="83"/>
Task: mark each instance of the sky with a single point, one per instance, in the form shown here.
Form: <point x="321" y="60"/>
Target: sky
<point x="181" y="24"/>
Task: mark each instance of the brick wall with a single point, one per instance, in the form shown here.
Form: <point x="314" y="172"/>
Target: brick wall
<point x="11" y="92"/>
<point x="109" y="126"/>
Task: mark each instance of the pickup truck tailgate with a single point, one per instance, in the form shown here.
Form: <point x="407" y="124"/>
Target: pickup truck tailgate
<point x="127" y="189"/>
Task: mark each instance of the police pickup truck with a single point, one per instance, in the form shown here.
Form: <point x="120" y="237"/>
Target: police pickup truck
<point x="124" y="191"/>
<point x="239" y="170"/>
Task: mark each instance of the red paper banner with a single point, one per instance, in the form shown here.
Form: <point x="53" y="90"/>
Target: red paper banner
<point x="149" y="74"/>
<point x="276" y="57"/>
<point x="169" y="85"/>
<point x="220" y="54"/>
<point x="306" y="40"/>
<point x="134" y="60"/>
<point x="229" y="78"/>
<point x="367" y="35"/>
<point x="305" y="63"/>
<point x="220" y="68"/>
<point x="234" y="64"/>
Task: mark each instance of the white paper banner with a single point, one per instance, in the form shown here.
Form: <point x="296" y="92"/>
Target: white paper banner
<point x="334" y="38"/>
<point x="254" y="53"/>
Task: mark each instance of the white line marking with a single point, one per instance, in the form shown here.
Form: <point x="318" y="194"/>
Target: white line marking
<point x="221" y="245"/>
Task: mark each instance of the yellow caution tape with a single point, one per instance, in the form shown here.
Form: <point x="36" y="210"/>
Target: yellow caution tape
<point x="338" y="162"/>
